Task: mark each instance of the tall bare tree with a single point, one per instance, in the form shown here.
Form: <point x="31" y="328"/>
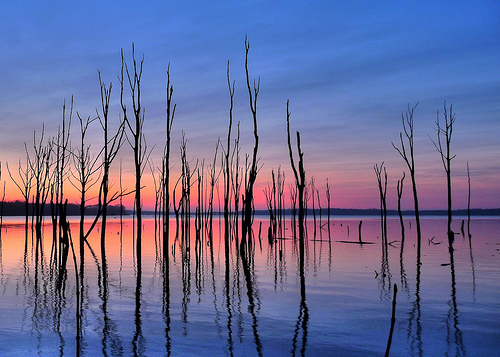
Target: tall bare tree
<point x="170" y="113"/>
<point x="300" y="175"/>
<point x="110" y="149"/>
<point x="227" y="165"/>
<point x="236" y="179"/>
<point x="135" y="125"/>
<point x="61" y="153"/>
<point x="253" y="93"/>
<point x="406" y="151"/>
<point x="40" y="164"/>
<point x="214" y="178"/>
<point x="186" y="184"/>
<point x="444" y="153"/>
<point x="86" y="165"/>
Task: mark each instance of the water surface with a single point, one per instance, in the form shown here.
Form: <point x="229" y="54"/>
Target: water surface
<point x="340" y="305"/>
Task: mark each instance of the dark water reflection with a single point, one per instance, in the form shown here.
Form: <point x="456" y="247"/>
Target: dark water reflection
<point x="274" y="297"/>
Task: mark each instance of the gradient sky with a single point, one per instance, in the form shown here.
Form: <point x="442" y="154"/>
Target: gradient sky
<point x="349" y="69"/>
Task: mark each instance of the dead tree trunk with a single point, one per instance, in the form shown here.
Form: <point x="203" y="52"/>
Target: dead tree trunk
<point x="293" y="204"/>
<point x="313" y="189"/>
<point x="24" y="185"/>
<point x="300" y="175"/>
<point x="227" y="166"/>
<point x="39" y="165"/>
<point x="407" y="153"/>
<point x="214" y="177"/>
<point x="236" y="179"/>
<point x="166" y="166"/>
<point x="444" y="153"/>
<point x="135" y="126"/>
<point x="110" y="150"/>
<point x="400" y="194"/>
<point x="252" y="175"/>
<point x="382" y="187"/>
<point x="468" y="201"/>
<point x="85" y="167"/>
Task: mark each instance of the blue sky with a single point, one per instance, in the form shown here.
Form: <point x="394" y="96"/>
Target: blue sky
<point x="349" y="69"/>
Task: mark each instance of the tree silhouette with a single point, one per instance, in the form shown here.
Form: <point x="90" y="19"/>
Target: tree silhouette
<point x="252" y="169"/>
<point x="300" y="175"/>
<point x="24" y="185"/>
<point x="135" y="126"/>
<point x="382" y="187"/>
<point x="86" y="165"/>
<point x="40" y="164"/>
<point x="444" y="153"/>
<point x="226" y="163"/>
<point x="406" y="151"/>
<point x="110" y="150"/>
<point x="170" y="113"/>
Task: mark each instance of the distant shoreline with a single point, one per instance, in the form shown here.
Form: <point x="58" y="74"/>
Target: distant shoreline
<point x="17" y="208"/>
<point x="375" y="212"/>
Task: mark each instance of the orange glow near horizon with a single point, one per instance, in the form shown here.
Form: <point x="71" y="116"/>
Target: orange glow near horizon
<point x="361" y="193"/>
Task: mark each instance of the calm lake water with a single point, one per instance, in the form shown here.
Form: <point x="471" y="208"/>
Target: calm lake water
<point x="447" y="306"/>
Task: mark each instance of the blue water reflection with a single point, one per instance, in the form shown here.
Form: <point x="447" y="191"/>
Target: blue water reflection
<point x="204" y="299"/>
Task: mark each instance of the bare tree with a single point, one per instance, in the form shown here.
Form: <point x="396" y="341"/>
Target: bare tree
<point x="86" y="165"/>
<point x="300" y="175"/>
<point x="110" y="150"/>
<point x="170" y="113"/>
<point x="468" y="201"/>
<point x="406" y="151"/>
<point x="313" y="190"/>
<point x="199" y="209"/>
<point x="319" y="206"/>
<point x="270" y="195"/>
<point x="135" y="126"/>
<point x="24" y="185"/>
<point x="252" y="173"/>
<point x="382" y="187"/>
<point x="61" y="152"/>
<point x="293" y="207"/>
<point x="40" y="165"/>
<point x="186" y="184"/>
<point x="281" y="203"/>
<point x="227" y="166"/>
<point x="328" y="200"/>
<point x="444" y="153"/>
<point x="236" y="179"/>
<point x="158" y="188"/>
<point x="214" y="178"/>
<point x="400" y="194"/>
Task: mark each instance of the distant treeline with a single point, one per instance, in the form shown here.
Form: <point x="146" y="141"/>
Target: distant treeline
<point x="17" y="208"/>
<point x="376" y="212"/>
<point x="442" y="212"/>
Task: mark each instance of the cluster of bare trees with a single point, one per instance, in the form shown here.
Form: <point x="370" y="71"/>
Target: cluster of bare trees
<point x="70" y="158"/>
<point x="406" y="150"/>
<point x="52" y="162"/>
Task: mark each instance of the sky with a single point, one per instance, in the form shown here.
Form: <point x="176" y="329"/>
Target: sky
<point x="349" y="68"/>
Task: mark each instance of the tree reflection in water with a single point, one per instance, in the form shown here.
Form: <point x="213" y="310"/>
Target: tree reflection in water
<point x="303" y="317"/>
<point x="83" y="300"/>
<point x="454" y="338"/>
